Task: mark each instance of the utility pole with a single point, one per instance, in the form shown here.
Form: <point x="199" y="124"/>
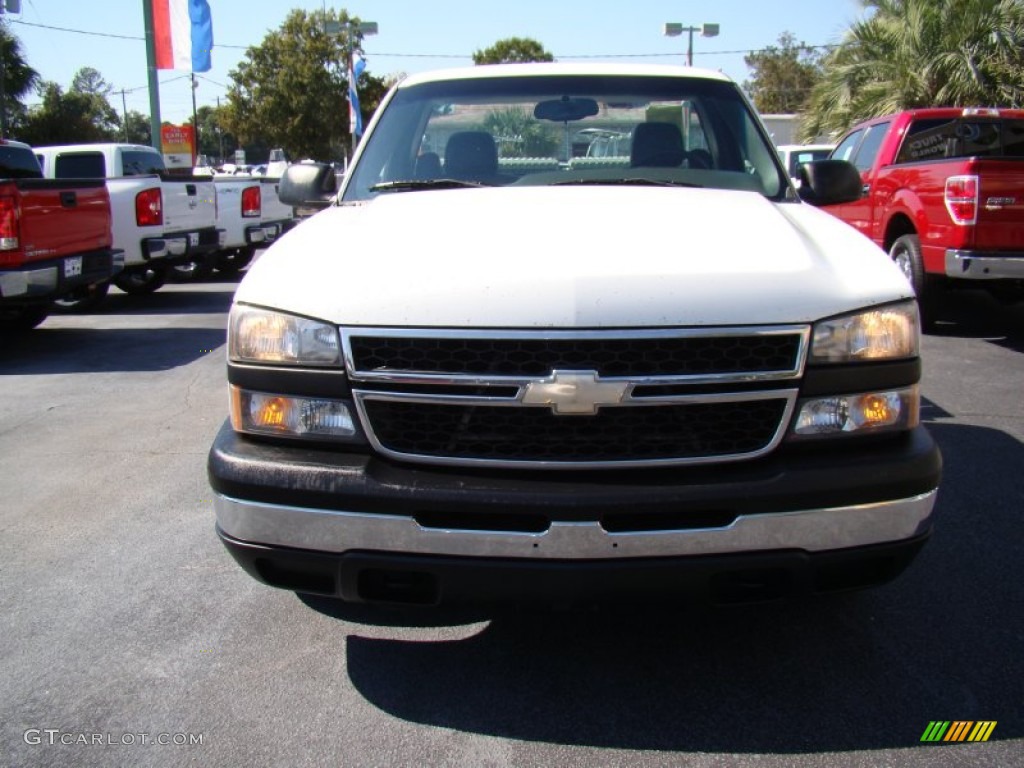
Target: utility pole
<point x="220" y="132"/>
<point x="124" y="113"/>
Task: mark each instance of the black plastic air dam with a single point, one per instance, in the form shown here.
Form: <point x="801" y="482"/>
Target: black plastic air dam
<point x="397" y="579"/>
<point x="823" y="475"/>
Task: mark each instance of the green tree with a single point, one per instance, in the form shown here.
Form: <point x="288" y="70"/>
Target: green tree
<point x="512" y="50"/>
<point x="214" y="141"/>
<point x="82" y="114"/>
<point x="519" y="135"/>
<point x="921" y="53"/>
<point x="96" y="92"/>
<point x="291" y="89"/>
<point x="783" y="77"/>
<point x="19" y="80"/>
<point x="135" y="129"/>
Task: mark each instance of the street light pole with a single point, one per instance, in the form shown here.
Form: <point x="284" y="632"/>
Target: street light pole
<point x="348" y="28"/>
<point x="195" y="121"/>
<point x="674" y="29"/>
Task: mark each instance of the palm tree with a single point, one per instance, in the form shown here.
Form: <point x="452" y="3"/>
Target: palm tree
<point x="921" y="53"/>
<point x="17" y="79"/>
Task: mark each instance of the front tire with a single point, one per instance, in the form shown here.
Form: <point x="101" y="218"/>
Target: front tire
<point x="906" y="254"/>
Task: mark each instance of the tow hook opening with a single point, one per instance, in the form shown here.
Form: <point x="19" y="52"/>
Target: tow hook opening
<point x="396" y="586"/>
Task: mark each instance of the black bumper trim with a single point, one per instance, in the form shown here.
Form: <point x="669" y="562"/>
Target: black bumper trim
<point x="816" y="477"/>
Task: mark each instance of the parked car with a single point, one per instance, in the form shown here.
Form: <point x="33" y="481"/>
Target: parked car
<point x="943" y="193"/>
<point x="158" y="220"/>
<point x="55" y="238"/>
<point x="474" y="377"/>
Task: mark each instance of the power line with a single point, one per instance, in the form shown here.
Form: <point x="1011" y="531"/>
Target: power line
<point x="660" y="54"/>
<point x="101" y="34"/>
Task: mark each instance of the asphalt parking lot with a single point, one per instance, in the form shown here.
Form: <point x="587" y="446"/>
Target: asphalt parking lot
<point x="131" y="638"/>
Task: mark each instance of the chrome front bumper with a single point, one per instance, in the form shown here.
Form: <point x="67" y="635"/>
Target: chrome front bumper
<point x="810" y="530"/>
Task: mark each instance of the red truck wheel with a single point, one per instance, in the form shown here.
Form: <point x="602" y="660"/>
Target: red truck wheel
<point x="906" y="252"/>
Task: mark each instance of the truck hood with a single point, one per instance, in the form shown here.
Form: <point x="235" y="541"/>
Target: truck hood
<point x="571" y="257"/>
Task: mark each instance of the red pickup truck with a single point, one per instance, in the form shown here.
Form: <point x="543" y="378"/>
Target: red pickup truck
<point x="944" y="195"/>
<point x="55" y="238"/>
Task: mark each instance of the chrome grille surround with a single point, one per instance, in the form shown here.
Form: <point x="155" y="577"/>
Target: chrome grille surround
<point x="372" y="388"/>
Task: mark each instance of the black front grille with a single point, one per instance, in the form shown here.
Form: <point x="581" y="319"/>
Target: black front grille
<point x="614" y="434"/>
<point x="608" y="356"/>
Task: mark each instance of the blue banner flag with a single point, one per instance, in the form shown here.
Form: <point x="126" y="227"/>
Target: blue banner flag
<point x="355" y="117"/>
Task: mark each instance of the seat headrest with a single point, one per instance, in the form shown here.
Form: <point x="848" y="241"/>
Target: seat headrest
<point x="471" y="155"/>
<point x="658" y="145"/>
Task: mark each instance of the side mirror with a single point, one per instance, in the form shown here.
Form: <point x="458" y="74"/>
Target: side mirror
<point x="308" y="185"/>
<point x="830" y="182"/>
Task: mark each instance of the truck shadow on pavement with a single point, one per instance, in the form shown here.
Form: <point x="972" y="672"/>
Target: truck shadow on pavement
<point x="975" y="314"/>
<point x="177" y="299"/>
<point x="92" y="350"/>
<point x="849" y="672"/>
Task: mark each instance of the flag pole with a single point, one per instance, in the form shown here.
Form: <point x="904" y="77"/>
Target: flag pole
<point x="154" y="82"/>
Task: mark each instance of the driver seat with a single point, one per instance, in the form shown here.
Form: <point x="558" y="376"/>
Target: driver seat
<point x="657" y="145"/>
<point x="471" y="156"/>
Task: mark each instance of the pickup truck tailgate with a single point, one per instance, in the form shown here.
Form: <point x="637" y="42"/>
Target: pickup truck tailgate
<point x="188" y="204"/>
<point x="1000" y="205"/>
<point x="83" y="222"/>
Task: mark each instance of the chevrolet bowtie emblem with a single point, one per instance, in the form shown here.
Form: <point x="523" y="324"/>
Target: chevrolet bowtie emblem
<point x="574" y="392"/>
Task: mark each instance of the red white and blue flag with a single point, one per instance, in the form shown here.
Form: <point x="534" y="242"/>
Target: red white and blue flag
<point x="183" y="34"/>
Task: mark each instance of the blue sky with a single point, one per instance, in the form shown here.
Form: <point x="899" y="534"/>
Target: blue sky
<point x="60" y="36"/>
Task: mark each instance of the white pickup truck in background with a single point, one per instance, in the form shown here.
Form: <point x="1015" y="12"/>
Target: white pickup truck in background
<point x="158" y="220"/>
<point x="249" y="216"/>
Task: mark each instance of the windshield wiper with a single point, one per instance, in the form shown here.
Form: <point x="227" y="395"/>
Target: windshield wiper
<point x="409" y="185"/>
<point x="633" y="181"/>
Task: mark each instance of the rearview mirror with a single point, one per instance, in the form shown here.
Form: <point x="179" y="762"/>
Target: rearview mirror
<point x="565" y="109"/>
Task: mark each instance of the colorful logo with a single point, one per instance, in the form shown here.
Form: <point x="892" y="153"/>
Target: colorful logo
<point x="959" y="730"/>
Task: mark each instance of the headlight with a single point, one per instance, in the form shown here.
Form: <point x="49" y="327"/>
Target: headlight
<point x="261" y="336"/>
<point x="857" y="414"/>
<point x="288" y="416"/>
<point x="886" y="333"/>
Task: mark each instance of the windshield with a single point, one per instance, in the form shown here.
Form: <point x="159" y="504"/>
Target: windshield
<point x="549" y="130"/>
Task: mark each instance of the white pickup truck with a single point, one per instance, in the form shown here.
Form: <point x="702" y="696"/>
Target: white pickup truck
<point x="250" y="215"/>
<point x="496" y="368"/>
<point x="158" y="220"/>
